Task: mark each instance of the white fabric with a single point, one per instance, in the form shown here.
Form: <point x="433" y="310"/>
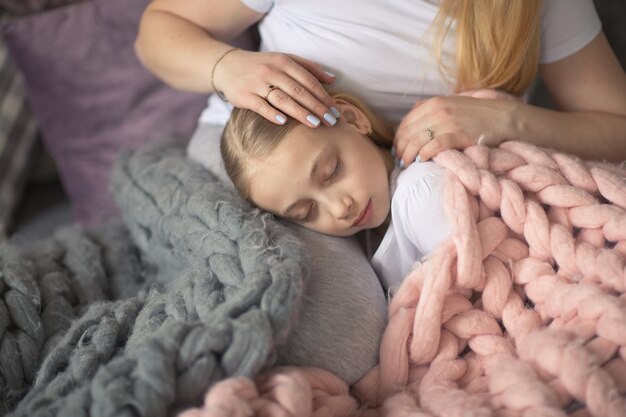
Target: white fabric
<point x="261" y="6"/>
<point x="216" y="112"/>
<point x="380" y="50"/>
<point x="418" y="222"/>
<point x="566" y="27"/>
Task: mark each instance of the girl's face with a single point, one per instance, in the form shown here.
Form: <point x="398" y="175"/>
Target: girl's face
<point x="333" y="180"/>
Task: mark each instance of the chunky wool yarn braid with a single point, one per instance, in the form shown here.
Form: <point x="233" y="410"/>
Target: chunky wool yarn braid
<point x="140" y="318"/>
<point x="45" y="285"/>
<point x="522" y="312"/>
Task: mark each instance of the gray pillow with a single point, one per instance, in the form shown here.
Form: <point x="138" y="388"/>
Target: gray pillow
<point x="344" y="311"/>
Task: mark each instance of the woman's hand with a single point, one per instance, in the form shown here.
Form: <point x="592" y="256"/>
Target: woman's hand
<point x="277" y="85"/>
<point x="458" y="121"/>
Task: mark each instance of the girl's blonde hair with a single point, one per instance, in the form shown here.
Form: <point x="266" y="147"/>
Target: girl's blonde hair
<point x="249" y="136"/>
<point x="497" y="42"/>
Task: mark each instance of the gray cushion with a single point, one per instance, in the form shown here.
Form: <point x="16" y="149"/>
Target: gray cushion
<point x="344" y="311"/>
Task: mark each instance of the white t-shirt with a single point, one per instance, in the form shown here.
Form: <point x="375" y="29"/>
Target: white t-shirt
<point x="381" y="50"/>
<point x="418" y="222"/>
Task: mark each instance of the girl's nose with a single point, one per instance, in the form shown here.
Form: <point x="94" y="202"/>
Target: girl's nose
<point x="342" y="207"/>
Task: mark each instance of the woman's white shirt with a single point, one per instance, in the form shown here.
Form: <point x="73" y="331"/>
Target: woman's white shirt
<point x="381" y="50"/>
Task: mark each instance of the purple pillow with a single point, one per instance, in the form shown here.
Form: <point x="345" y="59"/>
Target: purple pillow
<point x="92" y="97"/>
<point x="32" y="6"/>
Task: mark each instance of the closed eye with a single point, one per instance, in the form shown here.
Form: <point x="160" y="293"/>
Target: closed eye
<point x="335" y="171"/>
<point x="309" y="214"/>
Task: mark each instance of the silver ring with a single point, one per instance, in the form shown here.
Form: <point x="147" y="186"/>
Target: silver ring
<point x="430" y="134"/>
<point x="270" y="87"/>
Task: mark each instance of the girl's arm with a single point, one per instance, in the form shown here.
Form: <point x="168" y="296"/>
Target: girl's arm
<point x="588" y="88"/>
<point x="184" y="43"/>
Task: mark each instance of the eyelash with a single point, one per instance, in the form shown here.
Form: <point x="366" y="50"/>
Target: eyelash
<point x="335" y="172"/>
<point x="308" y="215"/>
<point x="331" y="177"/>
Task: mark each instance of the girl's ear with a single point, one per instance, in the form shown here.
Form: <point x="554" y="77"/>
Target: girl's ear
<point x="353" y="116"/>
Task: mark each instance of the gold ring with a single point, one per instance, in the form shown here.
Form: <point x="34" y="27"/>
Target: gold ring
<point x="270" y="87"/>
<point x="430" y="134"/>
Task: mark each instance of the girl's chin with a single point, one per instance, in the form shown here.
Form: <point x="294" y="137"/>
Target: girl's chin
<point x="382" y="218"/>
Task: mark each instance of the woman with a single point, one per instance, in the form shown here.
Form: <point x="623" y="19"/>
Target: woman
<point x="382" y="53"/>
<point x="182" y="42"/>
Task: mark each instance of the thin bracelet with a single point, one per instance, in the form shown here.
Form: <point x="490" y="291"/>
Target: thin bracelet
<point x="219" y="93"/>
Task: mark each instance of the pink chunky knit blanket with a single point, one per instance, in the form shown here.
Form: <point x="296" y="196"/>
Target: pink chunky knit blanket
<point x="522" y="312"/>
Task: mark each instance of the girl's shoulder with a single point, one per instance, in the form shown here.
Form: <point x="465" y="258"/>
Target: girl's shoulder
<point x="417" y="206"/>
<point x="419" y="174"/>
<point x="419" y="188"/>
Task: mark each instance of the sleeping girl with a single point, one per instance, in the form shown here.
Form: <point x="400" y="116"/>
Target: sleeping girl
<point x="339" y="180"/>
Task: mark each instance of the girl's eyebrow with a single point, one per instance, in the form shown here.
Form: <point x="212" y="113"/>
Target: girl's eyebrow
<point x="314" y="168"/>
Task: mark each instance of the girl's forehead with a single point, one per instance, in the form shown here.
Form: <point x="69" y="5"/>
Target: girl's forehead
<point x="299" y="141"/>
<point x="320" y="136"/>
<point x="290" y="162"/>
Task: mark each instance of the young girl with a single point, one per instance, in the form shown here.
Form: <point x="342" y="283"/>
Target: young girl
<point x="339" y="181"/>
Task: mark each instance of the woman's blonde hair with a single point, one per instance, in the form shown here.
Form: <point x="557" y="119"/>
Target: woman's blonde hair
<point x="497" y="42"/>
<point x="249" y="136"/>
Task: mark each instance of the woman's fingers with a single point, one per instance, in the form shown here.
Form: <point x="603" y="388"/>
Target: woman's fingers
<point x="308" y="103"/>
<point x="433" y="147"/>
<point x="410" y="145"/>
<point x="411" y="123"/>
<point x="295" y="90"/>
<point x="425" y="131"/>
<point x="306" y="89"/>
<point x="279" y="99"/>
<point x="314" y="68"/>
<point x="277" y="86"/>
<point x="410" y="152"/>
<point x="261" y="106"/>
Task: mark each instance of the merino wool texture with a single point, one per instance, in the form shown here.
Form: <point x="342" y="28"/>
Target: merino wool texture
<point x="141" y="317"/>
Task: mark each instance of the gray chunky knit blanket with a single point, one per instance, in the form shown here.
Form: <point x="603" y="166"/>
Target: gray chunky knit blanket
<point x="141" y="316"/>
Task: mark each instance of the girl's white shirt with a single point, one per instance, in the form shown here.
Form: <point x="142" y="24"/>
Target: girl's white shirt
<point x="418" y="222"/>
<point x="380" y="50"/>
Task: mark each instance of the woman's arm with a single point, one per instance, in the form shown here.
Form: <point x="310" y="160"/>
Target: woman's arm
<point x="180" y="41"/>
<point x="588" y="88"/>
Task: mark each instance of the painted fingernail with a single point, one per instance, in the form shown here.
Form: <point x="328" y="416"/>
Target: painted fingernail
<point x="335" y="112"/>
<point x="313" y="120"/>
<point x="330" y="119"/>
<point x="330" y="74"/>
<point x="401" y="163"/>
<point x="280" y="119"/>
<point x="418" y="159"/>
<point x="393" y="151"/>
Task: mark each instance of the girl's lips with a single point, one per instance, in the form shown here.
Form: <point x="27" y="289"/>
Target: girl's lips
<point x="365" y="215"/>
